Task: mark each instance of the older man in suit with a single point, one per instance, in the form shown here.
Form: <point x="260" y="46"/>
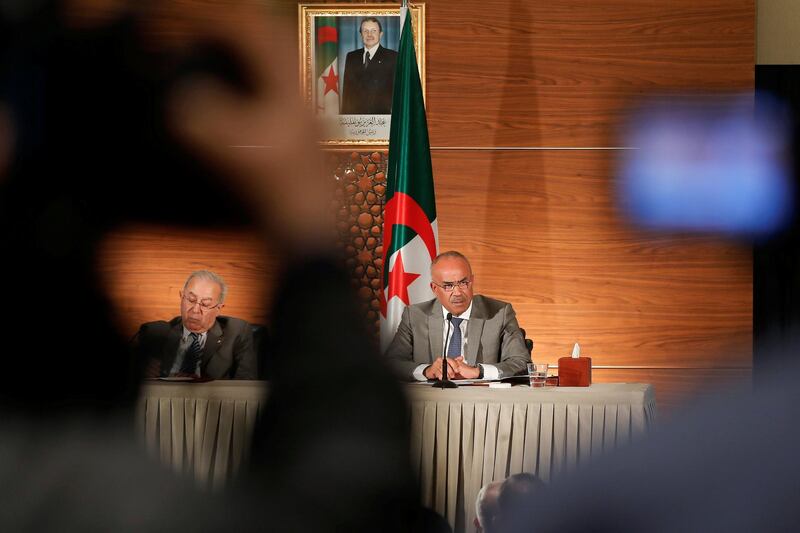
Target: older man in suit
<point x="369" y="74"/>
<point x="200" y="342"/>
<point x="484" y="339"/>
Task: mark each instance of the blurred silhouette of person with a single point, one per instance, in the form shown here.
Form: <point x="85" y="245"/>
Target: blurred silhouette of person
<point x="486" y="507"/>
<point x="200" y="342"/>
<point x="115" y="122"/>
<point x="517" y="493"/>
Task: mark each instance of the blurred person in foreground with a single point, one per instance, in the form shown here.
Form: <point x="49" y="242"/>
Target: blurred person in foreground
<point x="200" y="342"/>
<point x="108" y="104"/>
<point x="484" y="340"/>
<point x="515" y="496"/>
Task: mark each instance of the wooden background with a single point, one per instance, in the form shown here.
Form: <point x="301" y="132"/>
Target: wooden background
<point x="540" y="223"/>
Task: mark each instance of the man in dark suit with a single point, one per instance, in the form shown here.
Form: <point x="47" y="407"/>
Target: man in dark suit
<point x="200" y="342"/>
<point x="369" y="74"/>
<point x="485" y="339"/>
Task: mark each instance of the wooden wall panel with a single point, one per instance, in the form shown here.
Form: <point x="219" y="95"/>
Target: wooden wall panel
<point x="542" y="231"/>
<point x="144" y="267"/>
<point x="680" y="390"/>
<point x="562" y="72"/>
<point x="541" y="227"/>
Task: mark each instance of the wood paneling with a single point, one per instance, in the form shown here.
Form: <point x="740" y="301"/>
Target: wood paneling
<point x="562" y="72"/>
<point x="679" y="390"/>
<point x="542" y="228"/>
<point x="144" y="267"/>
<point x="542" y="231"/>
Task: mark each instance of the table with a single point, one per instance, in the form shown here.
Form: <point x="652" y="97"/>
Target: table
<point x="200" y="429"/>
<point x="204" y="430"/>
<point x="490" y="434"/>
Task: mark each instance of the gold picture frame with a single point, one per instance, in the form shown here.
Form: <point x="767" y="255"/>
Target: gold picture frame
<point x="345" y="120"/>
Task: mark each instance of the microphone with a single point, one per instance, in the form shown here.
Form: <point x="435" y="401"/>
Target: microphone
<point x="444" y="346"/>
<point x="445" y="383"/>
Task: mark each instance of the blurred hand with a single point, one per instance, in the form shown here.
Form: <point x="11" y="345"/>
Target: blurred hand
<point x="261" y="137"/>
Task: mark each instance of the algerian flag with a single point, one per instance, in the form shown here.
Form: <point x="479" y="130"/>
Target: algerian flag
<point x="326" y="60"/>
<point x="410" y="235"/>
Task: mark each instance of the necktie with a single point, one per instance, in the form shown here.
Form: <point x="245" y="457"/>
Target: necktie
<point x="192" y="356"/>
<point x="366" y="59"/>
<point x="454" y="347"/>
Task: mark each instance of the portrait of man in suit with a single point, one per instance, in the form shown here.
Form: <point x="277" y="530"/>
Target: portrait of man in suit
<point x="200" y="342"/>
<point x="483" y="339"/>
<point x="369" y="74"/>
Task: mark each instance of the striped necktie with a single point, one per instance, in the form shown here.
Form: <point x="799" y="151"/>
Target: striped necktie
<point x="192" y="356"/>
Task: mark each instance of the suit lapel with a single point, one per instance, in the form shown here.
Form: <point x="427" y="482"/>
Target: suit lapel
<point x="213" y="342"/>
<point x="170" y="350"/>
<point x="377" y="56"/>
<point x="477" y="318"/>
<point x="435" y="330"/>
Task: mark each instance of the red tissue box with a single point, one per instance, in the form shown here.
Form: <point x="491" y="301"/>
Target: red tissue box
<point x="574" y="371"/>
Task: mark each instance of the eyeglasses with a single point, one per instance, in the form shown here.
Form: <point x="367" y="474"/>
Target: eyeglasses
<point x="205" y="306"/>
<point x="449" y="286"/>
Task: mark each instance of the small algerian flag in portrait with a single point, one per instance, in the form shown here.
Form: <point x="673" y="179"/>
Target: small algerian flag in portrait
<point x="327" y="65"/>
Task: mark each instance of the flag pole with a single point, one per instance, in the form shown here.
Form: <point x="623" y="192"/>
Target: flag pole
<point x="403" y="11"/>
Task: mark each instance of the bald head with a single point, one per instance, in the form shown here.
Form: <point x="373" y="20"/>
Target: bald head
<point x="451" y="281"/>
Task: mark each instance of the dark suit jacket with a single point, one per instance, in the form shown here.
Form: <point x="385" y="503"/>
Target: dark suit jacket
<point x="229" y="352"/>
<point x="493" y="337"/>
<point x="368" y="91"/>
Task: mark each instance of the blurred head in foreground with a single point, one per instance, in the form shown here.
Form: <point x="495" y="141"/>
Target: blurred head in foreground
<point x="517" y="494"/>
<point x="486" y="507"/>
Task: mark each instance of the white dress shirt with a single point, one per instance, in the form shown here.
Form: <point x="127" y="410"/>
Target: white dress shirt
<point x="371" y="51"/>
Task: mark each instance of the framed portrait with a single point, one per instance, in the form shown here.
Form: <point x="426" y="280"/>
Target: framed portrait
<point x="348" y="54"/>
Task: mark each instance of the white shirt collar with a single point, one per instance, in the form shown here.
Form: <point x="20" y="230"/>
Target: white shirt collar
<point x="186" y="333"/>
<point x="371" y="51"/>
<point x="465" y="315"/>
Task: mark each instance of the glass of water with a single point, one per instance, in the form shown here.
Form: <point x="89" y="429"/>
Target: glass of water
<point x="537" y="374"/>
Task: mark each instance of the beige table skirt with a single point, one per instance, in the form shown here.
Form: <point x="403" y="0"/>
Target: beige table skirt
<point x="200" y="429"/>
<point x="464" y="438"/>
<point x="204" y="430"/>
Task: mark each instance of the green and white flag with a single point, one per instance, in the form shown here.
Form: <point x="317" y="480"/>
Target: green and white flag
<point x="327" y="63"/>
<point x="410" y="234"/>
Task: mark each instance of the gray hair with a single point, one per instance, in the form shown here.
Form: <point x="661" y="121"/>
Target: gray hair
<point x="451" y="253"/>
<point x="486" y="505"/>
<point x="210" y="276"/>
